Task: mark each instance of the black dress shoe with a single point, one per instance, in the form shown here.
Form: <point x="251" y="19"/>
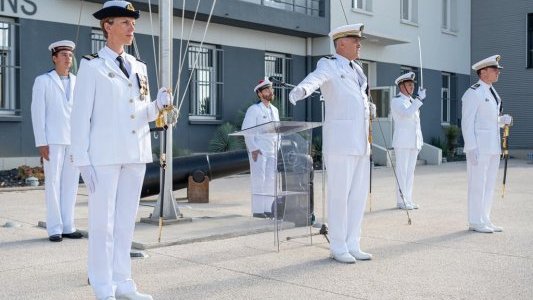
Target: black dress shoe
<point x="75" y="235"/>
<point x="260" y="215"/>
<point x="55" y="238"/>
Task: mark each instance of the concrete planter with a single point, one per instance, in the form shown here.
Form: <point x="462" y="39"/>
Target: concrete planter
<point x="32" y="181"/>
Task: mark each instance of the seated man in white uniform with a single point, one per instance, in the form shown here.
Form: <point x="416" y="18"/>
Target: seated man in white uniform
<point x="262" y="151"/>
<point x="407" y="139"/>
<point x="51" y="106"/>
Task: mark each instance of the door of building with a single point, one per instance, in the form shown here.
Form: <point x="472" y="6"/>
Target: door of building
<point x="382" y="128"/>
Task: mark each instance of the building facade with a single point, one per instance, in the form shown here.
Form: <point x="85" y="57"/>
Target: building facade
<point x="395" y="30"/>
<point x="247" y="40"/>
<point x="511" y="36"/>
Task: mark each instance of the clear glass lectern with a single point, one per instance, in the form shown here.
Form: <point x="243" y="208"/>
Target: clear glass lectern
<point x="281" y="177"/>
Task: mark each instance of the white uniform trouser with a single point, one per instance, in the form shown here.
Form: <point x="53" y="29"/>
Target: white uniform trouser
<point x="112" y="213"/>
<point x="405" y="171"/>
<point x="481" y="180"/>
<point x="61" y="187"/>
<point x="263" y="173"/>
<point x="348" y="183"/>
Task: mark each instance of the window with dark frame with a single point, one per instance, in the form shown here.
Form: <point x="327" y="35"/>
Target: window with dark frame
<point x="8" y="67"/>
<point x="445" y="98"/>
<point x="206" y="85"/>
<point x="278" y="66"/>
<point x="530" y="40"/>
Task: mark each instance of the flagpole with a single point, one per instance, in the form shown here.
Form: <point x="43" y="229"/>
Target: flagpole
<point x="166" y="197"/>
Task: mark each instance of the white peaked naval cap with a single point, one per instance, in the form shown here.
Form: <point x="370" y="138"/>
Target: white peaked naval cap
<point x="347" y="30"/>
<point x="61" y="45"/>
<point x="492" y="61"/>
<point x="262" y="83"/>
<point x="409" y="76"/>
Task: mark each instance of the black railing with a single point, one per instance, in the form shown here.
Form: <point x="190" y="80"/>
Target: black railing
<point x="308" y="7"/>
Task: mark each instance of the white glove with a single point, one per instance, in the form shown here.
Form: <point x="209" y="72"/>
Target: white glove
<point x="372" y="108"/>
<point x="421" y="94"/>
<point x="472" y="156"/>
<point x="296" y="94"/>
<point x="89" y="177"/>
<point x="164" y="98"/>
<point x="506" y="119"/>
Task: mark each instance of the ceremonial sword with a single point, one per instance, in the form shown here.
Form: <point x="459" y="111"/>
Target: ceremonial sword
<point x="505" y="146"/>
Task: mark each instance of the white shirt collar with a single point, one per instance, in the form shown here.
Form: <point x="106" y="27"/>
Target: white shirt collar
<point x="113" y="54"/>
<point x="404" y="95"/>
<point x="484" y="84"/>
<point x="343" y="60"/>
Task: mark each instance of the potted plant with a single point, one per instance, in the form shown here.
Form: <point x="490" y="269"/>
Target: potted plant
<point x="452" y="135"/>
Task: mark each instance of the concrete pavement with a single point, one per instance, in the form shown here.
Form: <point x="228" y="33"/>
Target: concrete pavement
<point x="434" y="258"/>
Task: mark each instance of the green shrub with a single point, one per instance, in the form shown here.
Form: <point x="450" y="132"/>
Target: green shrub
<point x="452" y="133"/>
<point x="222" y="142"/>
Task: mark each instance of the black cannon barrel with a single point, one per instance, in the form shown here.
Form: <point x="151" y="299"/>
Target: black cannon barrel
<point x="214" y="165"/>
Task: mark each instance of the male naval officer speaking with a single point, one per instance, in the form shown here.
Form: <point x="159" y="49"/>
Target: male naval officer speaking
<point x="346" y="139"/>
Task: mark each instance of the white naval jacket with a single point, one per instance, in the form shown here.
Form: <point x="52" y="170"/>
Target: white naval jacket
<point x="258" y="114"/>
<point x="480" y="119"/>
<point x="50" y="109"/>
<point x="345" y="130"/>
<point x="406" y="115"/>
<point x="110" y="117"/>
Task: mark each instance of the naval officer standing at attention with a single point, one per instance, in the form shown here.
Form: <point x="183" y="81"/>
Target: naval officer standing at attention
<point x="407" y="139"/>
<point x="51" y="107"/>
<point x="262" y="150"/>
<point x="481" y="122"/>
<point x="111" y="146"/>
<point x="345" y="137"/>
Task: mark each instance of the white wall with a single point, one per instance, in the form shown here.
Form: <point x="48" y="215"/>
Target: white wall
<point x="68" y="11"/>
<point x="440" y="51"/>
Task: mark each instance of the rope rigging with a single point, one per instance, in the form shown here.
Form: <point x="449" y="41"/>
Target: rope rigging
<point x="196" y="56"/>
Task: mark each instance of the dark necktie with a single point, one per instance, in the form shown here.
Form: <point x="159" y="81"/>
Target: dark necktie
<point x="122" y="66"/>
<point x="351" y="65"/>
<point x="496" y="98"/>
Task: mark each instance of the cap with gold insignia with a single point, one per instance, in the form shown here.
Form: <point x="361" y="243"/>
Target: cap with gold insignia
<point x="409" y="76"/>
<point x="347" y="30"/>
<point x="262" y="84"/>
<point x="492" y="61"/>
<point x="117" y="8"/>
<point x="61" y="45"/>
